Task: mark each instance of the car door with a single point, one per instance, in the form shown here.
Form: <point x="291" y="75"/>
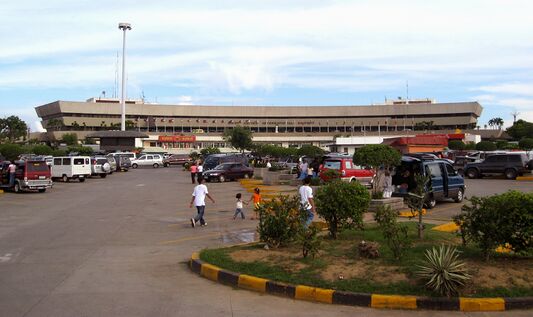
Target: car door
<point x="455" y="181"/>
<point x="433" y="169"/>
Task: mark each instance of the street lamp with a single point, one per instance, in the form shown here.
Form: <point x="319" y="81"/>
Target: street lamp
<point x="124" y="27"/>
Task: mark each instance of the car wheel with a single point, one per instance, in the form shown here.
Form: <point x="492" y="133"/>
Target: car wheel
<point x="221" y="179"/>
<point x="472" y="173"/>
<point x="103" y="175"/>
<point x="431" y="202"/>
<point x="65" y="178"/>
<point x="510" y="173"/>
<point x="42" y="190"/>
<point x="353" y="180"/>
<point x="155" y="165"/>
<point x="16" y="188"/>
<point x="81" y="179"/>
<point x="460" y="196"/>
<point x="134" y="165"/>
<point x="166" y="165"/>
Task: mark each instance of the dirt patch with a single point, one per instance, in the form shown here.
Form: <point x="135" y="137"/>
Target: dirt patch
<point x="363" y="269"/>
<point x="506" y="273"/>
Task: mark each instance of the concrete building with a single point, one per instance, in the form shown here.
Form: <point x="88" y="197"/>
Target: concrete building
<point x="178" y="128"/>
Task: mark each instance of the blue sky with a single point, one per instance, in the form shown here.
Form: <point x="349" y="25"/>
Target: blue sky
<point x="269" y="52"/>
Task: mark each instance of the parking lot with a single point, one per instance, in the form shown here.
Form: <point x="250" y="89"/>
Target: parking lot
<point x="118" y="247"/>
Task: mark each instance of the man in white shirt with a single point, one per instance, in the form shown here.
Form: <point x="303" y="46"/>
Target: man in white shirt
<point x="199" y="171"/>
<point x="307" y="201"/>
<point x="12" y="169"/>
<point x="198" y="198"/>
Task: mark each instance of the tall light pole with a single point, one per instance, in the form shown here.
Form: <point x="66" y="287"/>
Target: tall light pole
<point x="124" y="27"/>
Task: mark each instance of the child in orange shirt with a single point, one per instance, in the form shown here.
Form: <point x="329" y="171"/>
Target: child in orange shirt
<point x="256" y="198"/>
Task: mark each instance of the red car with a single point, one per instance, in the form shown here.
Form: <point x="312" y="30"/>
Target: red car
<point x="29" y="175"/>
<point x="347" y="170"/>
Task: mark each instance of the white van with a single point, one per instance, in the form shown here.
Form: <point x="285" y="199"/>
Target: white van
<point x="154" y="160"/>
<point x="71" y="167"/>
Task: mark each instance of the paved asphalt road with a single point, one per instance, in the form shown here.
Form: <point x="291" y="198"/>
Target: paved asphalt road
<point x="119" y="246"/>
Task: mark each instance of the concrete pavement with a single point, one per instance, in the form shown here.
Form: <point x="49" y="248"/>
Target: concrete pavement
<point x="119" y="246"/>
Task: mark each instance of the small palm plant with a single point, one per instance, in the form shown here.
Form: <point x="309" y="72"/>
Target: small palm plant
<point x="443" y="270"/>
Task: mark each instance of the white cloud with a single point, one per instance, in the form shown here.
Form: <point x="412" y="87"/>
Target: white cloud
<point x="185" y="101"/>
<point x="525" y="89"/>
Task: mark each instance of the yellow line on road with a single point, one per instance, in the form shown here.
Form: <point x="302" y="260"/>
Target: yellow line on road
<point x="189" y="238"/>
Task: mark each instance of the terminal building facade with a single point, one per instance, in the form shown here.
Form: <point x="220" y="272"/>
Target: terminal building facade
<point x="181" y="128"/>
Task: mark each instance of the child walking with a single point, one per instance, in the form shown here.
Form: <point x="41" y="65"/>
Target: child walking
<point x="239" y="206"/>
<point x="256" y="198"/>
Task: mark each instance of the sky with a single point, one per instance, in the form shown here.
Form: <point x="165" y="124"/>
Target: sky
<point x="269" y="52"/>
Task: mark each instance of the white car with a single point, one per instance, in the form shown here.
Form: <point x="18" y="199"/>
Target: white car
<point x="154" y="160"/>
<point x="71" y="167"/>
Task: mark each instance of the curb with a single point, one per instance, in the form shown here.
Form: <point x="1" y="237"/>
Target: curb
<point x="330" y="296"/>
<point x="524" y="178"/>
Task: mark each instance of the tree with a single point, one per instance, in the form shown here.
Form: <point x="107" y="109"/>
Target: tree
<point x="377" y="156"/>
<point x="526" y="144"/>
<point x="239" y="138"/>
<point x="498" y="122"/>
<point x="209" y="150"/>
<point x="310" y="151"/>
<point x="12" y="128"/>
<point x="417" y="198"/>
<point x="76" y="125"/>
<point x="11" y="151"/>
<point x="456" y="145"/>
<point x="130" y="125"/>
<point x="521" y="129"/>
<point x="70" y="138"/>
<point x="54" y="124"/>
<point x="42" y="150"/>
<point x="486" y="146"/>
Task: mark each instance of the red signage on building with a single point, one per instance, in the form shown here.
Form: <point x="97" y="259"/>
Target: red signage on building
<point x="177" y="138"/>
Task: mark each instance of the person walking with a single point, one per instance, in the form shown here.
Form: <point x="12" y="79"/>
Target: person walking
<point x="199" y="171"/>
<point x="387" y="184"/>
<point x="198" y="198"/>
<point x="307" y="201"/>
<point x="194" y="170"/>
<point x="239" y="206"/>
<point x="303" y="169"/>
<point x="12" y="168"/>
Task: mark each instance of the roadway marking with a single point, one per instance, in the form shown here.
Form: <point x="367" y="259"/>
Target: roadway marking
<point x="140" y="185"/>
<point x="6" y="257"/>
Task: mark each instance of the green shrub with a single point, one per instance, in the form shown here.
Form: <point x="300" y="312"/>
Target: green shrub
<point x="498" y="220"/>
<point x="486" y="146"/>
<point x="315" y="181"/>
<point x="80" y="150"/>
<point x="42" y="150"/>
<point x="11" y="151"/>
<point x="280" y="219"/>
<point x="342" y="204"/>
<point x="443" y="270"/>
<point x="308" y="239"/>
<point x="330" y="175"/>
<point x="394" y="233"/>
<point x="456" y="145"/>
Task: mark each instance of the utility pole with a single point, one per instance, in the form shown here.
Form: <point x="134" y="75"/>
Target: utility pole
<point x="124" y="27"/>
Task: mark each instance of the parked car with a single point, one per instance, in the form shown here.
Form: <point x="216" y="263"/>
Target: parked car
<point x="123" y="163"/>
<point x="290" y="163"/>
<point x="510" y="165"/>
<point x="71" y="167"/>
<point x="29" y="175"/>
<point x="100" y="166"/>
<point x="154" y="160"/>
<point x="176" y="159"/>
<point x="214" y="160"/>
<point x="460" y="163"/>
<point x="228" y="171"/>
<point x="445" y="180"/>
<point x="112" y="163"/>
<point x="347" y="169"/>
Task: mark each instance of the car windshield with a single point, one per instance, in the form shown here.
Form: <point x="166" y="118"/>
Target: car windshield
<point x="334" y="165"/>
<point x="223" y="167"/>
<point x="37" y="167"/>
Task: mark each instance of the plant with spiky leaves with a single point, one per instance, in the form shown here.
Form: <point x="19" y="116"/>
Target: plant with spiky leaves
<point x="443" y="270"/>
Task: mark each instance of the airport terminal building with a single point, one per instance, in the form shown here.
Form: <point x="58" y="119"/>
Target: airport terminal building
<point x="180" y="128"/>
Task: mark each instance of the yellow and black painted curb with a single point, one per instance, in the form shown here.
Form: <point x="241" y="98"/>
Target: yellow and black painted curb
<point x="329" y="296"/>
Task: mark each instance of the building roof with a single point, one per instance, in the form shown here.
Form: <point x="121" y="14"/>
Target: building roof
<point x="117" y="134"/>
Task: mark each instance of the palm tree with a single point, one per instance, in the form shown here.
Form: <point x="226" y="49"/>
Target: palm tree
<point x="498" y="122"/>
<point x="491" y="122"/>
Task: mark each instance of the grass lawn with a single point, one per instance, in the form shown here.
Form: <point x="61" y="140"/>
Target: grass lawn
<point x="338" y="265"/>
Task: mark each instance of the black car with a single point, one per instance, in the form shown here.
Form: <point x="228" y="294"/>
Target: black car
<point x="228" y="171"/>
<point x="510" y="165"/>
<point x="176" y="159"/>
<point x="214" y="160"/>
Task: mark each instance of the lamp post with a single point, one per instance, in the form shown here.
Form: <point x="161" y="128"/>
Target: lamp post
<point x="124" y="27"/>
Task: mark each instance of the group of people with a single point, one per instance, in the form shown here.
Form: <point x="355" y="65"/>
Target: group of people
<point x="200" y="193"/>
<point x="197" y="170"/>
<point x="308" y="169"/>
